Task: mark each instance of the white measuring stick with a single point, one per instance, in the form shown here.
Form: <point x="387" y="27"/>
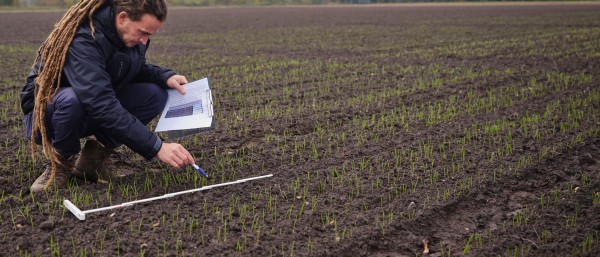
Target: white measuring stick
<point x="81" y="214"/>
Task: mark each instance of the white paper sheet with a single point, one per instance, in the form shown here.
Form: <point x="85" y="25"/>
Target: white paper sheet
<point x="192" y="110"/>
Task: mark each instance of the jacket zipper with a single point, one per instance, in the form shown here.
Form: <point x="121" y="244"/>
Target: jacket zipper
<point x="120" y="70"/>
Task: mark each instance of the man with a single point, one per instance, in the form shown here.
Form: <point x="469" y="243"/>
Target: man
<point x="91" y="78"/>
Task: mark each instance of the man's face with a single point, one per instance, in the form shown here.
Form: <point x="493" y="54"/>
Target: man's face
<point x="136" y="32"/>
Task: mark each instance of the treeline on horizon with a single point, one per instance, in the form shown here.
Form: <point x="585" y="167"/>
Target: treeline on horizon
<point x="67" y="3"/>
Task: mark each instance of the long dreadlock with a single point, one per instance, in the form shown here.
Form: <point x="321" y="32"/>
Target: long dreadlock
<point x="52" y="55"/>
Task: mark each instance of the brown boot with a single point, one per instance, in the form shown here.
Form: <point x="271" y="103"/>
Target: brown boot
<point x="56" y="174"/>
<point x="91" y="164"/>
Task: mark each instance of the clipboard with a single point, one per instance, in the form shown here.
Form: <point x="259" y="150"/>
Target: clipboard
<point x="190" y="113"/>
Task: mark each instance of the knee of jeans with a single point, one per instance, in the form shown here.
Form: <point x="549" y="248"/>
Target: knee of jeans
<point x="158" y="99"/>
<point x="67" y="100"/>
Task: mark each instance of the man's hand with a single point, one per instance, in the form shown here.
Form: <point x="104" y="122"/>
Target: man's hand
<point x="175" y="155"/>
<point x="176" y="81"/>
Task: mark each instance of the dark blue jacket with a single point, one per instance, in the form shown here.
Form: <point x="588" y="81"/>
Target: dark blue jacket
<point x="98" y="66"/>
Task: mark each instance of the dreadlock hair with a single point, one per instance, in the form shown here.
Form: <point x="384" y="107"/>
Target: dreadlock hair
<point x="52" y="54"/>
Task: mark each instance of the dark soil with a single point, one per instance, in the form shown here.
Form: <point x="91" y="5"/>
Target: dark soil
<point x="378" y="192"/>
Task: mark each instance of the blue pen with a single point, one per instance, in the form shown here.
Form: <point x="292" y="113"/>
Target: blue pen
<point x="199" y="170"/>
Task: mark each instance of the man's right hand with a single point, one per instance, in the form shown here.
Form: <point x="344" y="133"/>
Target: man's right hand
<point x="175" y="155"/>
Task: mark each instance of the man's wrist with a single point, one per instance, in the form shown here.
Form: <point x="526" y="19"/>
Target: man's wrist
<point x="157" y="145"/>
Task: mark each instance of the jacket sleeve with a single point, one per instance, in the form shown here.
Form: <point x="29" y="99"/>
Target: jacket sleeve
<point x="84" y="69"/>
<point x="153" y="73"/>
<point x="27" y="96"/>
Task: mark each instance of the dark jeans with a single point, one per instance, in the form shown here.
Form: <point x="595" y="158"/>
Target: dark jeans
<point x="66" y="121"/>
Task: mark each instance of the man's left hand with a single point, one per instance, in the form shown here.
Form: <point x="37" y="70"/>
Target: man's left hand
<point x="176" y="82"/>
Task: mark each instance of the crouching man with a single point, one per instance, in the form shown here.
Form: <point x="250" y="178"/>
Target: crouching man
<point x="90" y="78"/>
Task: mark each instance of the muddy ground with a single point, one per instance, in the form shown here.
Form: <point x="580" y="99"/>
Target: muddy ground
<point x="378" y="190"/>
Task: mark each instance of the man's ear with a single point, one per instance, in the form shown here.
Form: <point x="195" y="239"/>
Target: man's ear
<point x="122" y="18"/>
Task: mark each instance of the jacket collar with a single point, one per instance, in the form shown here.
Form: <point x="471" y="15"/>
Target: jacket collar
<point x="105" y="17"/>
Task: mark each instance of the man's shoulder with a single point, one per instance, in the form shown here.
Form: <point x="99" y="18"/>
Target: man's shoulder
<point x="96" y="34"/>
<point x="96" y="46"/>
<point x="100" y="29"/>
